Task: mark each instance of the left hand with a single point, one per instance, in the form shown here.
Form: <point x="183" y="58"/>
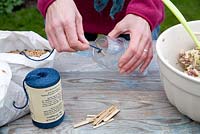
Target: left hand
<point x="139" y="51"/>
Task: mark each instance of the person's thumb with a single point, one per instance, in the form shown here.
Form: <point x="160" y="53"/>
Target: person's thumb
<point x="116" y="31"/>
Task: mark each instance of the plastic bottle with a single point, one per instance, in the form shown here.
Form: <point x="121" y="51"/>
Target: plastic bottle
<point x="109" y="52"/>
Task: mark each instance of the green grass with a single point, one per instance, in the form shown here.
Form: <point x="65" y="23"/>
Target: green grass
<point x="31" y="20"/>
<point x="189" y="8"/>
<point x="24" y="20"/>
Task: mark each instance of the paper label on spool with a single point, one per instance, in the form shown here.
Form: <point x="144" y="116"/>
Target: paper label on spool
<point x="46" y="104"/>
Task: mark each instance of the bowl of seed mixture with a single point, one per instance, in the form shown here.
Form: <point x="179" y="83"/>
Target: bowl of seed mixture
<point x="179" y="62"/>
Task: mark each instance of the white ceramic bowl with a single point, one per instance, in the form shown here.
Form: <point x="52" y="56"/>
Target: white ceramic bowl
<point x="183" y="91"/>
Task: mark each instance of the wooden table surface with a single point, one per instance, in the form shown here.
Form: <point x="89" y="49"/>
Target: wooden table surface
<point x="141" y="99"/>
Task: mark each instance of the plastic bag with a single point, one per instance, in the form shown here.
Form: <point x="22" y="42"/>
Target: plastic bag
<point x="21" y="65"/>
<point x="11" y="87"/>
<point x="5" y="77"/>
<point x="8" y="112"/>
<point x="9" y="92"/>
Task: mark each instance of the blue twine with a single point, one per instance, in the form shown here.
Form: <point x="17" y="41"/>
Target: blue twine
<point x="42" y="78"/>
<point x="22" y="52"/>
<point x="38" y="79"/>
<point x="97" y="48"/>
<point x="27" y="98"/>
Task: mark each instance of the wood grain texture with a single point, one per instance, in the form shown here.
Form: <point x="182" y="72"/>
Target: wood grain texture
<point x="142" y="101"/>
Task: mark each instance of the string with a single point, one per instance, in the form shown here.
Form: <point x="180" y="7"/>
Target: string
<point x="22" y="52"/>
<point x="26" y="94"/>
<point x="97" y="48"/>
<point x="27" y="98"/>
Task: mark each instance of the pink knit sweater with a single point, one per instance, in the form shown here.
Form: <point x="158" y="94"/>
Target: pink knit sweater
<point x="95" y="22"/>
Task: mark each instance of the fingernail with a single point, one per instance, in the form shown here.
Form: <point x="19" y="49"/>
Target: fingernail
<point x="86" y="41"/>
<point x="120" y="65"/>
<point x="128" y="72"/>
<point x="85" y="46"/>
<point x="122" y="71"/>
<point x="141" y="70"/>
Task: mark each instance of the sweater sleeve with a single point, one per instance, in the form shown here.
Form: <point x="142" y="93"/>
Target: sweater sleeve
<point x="43" y="6"/>
<point x="151" y="10"/>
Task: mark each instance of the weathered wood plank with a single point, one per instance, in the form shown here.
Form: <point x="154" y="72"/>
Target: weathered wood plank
<point x="111" y="81"/>
<point x="142" y="101"/>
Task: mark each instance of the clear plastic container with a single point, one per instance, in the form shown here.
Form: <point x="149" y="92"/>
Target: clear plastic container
<point x="109" y="53"/>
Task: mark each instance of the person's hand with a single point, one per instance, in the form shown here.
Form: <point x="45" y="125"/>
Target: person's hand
<point x="64" y="27"/>
<point x="139" y="51"/>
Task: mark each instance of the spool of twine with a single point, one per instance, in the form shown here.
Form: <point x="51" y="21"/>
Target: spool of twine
<point x="43" y="88"/>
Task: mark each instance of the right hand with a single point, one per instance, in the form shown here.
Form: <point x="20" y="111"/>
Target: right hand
<point x="64" y="27"/>
<point x="140" y="51"/>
